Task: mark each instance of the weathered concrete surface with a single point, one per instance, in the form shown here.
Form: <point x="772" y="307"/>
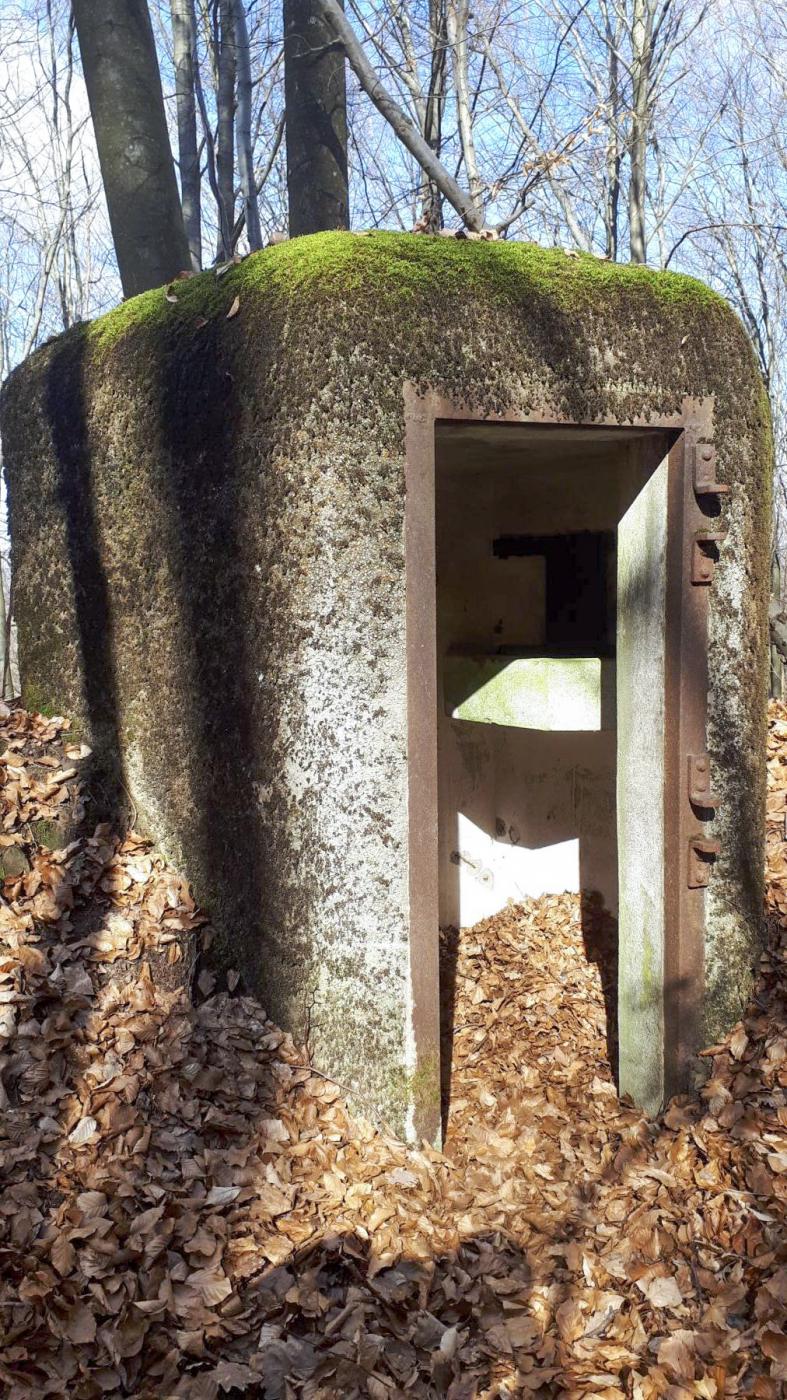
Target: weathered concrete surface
<point x="207" y="519"/>
<point x="526" y="692"/>
<point x="641" y="651"/>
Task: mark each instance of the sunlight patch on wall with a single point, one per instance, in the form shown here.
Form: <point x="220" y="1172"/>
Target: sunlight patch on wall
<point x="492" y="871"/>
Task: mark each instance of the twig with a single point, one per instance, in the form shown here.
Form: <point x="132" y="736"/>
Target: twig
<point x="354" y="1094"/>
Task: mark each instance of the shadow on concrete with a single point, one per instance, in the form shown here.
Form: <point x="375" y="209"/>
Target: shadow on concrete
<point x="92" y="599"/>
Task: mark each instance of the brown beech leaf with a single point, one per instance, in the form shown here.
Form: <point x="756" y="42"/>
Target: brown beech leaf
<point x="676" y="1355"/>
<point x="661" y="1292"/>
<point x="84" y="1132"/>
<point x="570" y="1320"/>
<point x="80" y="1325"/>
<point x="62" y="1255"/>
<point x="774" y="1344"/>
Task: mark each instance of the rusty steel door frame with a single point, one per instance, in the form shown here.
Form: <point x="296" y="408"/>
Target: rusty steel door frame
<point x="694" y="534"/>
<point x="693" y="509"/>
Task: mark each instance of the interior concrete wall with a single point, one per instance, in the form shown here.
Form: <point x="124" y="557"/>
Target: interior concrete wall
<point x="521" y="812"/>
<point x="642" y="561"/>
<point x="531" y="692"/>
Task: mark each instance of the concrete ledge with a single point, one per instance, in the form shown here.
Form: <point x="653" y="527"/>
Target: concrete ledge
<point x="532" y="692"/>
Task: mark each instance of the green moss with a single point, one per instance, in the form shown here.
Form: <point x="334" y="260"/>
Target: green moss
<point x="544" y="692"/>
<point x="50" y="835"/>
<point x="13" y="863"/>
<point x="403" y="264"/>
<point x="390" y="268"/>
<point x="34" y="700"/>
<point x="418" y="1090"/>
<point x="424" y="1088"/>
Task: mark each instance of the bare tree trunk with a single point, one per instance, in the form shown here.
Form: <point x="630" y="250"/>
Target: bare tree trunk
<point x="316" y="109"/>
<point x="398" y="119"/>
<point x="5" y="639"/>
<point x="457" y="15"/>
<point x="612" y="192"/>
<point x="243" y="122"/>
<point x="775" y="611"/>
<point x="184" y="36"/>
<point x="205" y="121"/>
<point x="641" y="59"/>
<point x="432" y="204"/>
<point x="224" y="30"/>
<point x="126" y="104"/>
<point x="6" y="642"/>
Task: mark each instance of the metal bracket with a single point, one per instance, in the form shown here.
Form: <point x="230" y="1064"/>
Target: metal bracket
<point x="705" y="483"/>
<point x="701" y="793"/>
<point x="702" y="854"/>
<point x="704" y="554"/>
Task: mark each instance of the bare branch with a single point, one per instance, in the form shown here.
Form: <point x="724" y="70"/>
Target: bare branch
<point x="397" y="119"/>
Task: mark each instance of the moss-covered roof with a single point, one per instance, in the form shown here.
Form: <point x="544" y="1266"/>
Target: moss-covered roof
<point x="394" y="272"/>
<point x="327" y="328"/>
<point x="333" y="324"/>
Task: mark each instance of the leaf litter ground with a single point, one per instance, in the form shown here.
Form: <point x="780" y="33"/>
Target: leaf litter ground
<point x="188" y="1209"/>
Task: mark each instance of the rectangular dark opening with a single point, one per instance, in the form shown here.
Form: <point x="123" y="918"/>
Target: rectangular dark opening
<point x="580" y="587"/>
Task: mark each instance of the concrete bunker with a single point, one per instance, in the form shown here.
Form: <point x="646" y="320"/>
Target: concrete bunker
<point x="428" y="529"/>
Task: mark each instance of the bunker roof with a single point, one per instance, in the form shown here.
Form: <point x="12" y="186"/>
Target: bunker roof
<point x="472" y="318"/>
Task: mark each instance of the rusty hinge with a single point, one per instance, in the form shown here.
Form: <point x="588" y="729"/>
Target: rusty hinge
<point x="704" y="554"/>
<point x="705" y="483"/>
<point x="701" y="793"/>
<point x="702" y="853"/>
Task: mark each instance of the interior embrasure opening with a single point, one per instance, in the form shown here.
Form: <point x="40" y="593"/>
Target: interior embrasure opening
<point x="550" y="578"/>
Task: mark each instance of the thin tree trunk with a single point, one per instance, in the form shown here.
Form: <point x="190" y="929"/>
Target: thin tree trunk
<point x="225" y="142"/>
<point x="261" y="180"/>
<point x="397" y="119"/>
<point x="432" y="204"/>
<point x="207" y="129"/>
<point x="243" y="122"/>
<point x="7" y="682"/>
<point x="184" y="37"/>
<point x="612" y="201"/>
<point x="315" y="99"/>
<point x="124" y="90"/>
<point x="5" y="637"/>
<point x="641" y="58"/>
<point x="457" y="15"/>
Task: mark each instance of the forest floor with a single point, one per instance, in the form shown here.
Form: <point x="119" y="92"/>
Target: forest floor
<point x="188" y="1210"/>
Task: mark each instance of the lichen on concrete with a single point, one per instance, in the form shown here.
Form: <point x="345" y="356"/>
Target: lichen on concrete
<point x="207" y="519"/>
<point x="544" y="692"/>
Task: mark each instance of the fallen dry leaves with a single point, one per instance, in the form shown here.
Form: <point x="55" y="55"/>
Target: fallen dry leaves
<point x="188" y="1210"/>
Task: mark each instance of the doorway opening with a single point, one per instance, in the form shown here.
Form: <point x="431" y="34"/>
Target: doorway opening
<point x="548" y="608"/>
